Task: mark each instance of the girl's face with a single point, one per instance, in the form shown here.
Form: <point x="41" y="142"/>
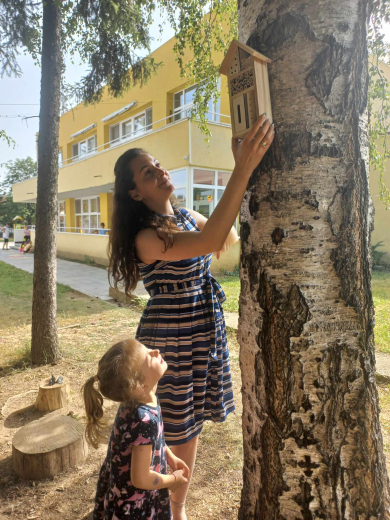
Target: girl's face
<point x="152" y="181"/>
<point x="153" y="366"/>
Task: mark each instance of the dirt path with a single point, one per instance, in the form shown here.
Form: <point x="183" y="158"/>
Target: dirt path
<point x="215" y="492"/>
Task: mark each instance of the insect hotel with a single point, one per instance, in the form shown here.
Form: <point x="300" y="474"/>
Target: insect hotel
<point x="249" y="93"/>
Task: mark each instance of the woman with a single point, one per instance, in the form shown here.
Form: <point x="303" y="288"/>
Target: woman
<point x="183" y="317"/>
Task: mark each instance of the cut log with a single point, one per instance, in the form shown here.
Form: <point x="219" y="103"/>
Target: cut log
<point x="52" y="397"/>
<point x="43" y="448"/>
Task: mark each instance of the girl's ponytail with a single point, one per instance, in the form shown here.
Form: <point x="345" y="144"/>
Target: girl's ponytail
<point x="93" y="401"/>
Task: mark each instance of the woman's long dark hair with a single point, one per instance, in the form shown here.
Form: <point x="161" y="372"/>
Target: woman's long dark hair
<point x="128" y="218"/>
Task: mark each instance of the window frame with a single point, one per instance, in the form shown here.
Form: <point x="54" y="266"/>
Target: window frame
<point x="213" y="187"/>
<point x="133" y="134"/>
<point x="185" y="185"/>
<point x="181" y="110"/>
<point x="79" y="157"/>
<point x="89" y="214"/>
<point x="61" y="228"/>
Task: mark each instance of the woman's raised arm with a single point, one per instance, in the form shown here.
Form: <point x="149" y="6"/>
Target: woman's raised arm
<point x="247" y="155"/>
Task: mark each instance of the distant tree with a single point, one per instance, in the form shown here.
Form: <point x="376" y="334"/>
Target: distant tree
<point x="111" y="36"/>
<point x="17" y="171"/>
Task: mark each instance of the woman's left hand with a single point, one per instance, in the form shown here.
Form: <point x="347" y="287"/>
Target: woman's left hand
<point x="175" y="463"/>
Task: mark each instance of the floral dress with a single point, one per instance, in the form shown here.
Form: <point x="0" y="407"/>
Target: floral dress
<point x="116" y="497"/>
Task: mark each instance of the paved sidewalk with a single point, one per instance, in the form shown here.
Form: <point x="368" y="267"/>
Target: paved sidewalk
<point x="86" y="279"/>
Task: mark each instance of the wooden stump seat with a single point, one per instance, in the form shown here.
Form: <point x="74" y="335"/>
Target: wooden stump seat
<point x="52" y="397"/>
<point x="43" y="448"/>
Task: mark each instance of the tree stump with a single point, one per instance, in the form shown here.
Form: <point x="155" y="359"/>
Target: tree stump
<point x="52" y="397"/>
<point x="45" y="447"/>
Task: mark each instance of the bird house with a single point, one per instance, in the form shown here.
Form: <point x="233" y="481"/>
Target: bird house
<point x="249" y="93"/>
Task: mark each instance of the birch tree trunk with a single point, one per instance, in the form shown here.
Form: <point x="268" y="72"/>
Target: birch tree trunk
<point x="312" y="439"/>
<point x="44" y="338"/>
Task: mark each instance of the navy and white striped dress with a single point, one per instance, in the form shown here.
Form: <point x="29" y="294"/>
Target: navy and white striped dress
<point x="184" y="320"/>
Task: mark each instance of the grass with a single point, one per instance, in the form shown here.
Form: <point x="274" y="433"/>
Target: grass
<point x="97" y="322"/>
<point x="381" y="294"/>
<point x="16" y="296"/>
<point x="231" y="287"/>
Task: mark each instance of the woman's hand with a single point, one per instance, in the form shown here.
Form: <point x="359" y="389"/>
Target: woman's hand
<point x="179" y="481"/>
<point x="175" y="463"/>
<point x="249" y="152"/>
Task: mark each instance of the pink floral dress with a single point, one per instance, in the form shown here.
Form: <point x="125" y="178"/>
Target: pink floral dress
<point x="116" y="497"/>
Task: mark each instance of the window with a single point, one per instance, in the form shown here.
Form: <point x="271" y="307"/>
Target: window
<point x="183" y="101"/>
<point x="87" y="211"/>
<point x="61" y="217"/>
<point x="84" y="148"/>
<point x="132" y="127"/>
<point x="208" y="189"/>
<point x="179" y="180"/>
<point x="60" y="160"/>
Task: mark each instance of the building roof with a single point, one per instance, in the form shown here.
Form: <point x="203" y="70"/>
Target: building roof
<point x="224" y="69"/>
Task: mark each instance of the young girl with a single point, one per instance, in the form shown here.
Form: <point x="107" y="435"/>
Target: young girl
<point x="133" y="481"/>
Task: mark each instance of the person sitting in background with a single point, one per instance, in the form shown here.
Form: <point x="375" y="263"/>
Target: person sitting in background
<point x="27" y="234"/>
<point x="102" y="230"/>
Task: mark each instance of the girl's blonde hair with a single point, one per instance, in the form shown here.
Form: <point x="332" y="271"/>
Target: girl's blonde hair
<point x="117" y="377"/>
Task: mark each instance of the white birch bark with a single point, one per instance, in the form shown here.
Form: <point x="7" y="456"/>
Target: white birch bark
<point x="312" y="439"/>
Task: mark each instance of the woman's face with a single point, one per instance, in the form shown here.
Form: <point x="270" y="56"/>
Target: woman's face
<point x="152" y="181"/>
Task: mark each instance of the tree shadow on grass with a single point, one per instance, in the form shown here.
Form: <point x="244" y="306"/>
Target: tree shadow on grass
<point x="20" y="363"/>
<point x="21" y="417"/>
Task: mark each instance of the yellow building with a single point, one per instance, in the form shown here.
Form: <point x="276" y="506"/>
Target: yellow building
<point x="381" y="232"/>
<point x="156" y="118"/>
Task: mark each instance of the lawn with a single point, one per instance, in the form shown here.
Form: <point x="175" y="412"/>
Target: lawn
<point x="381" y="294"/>
<point x="87" y="327"/>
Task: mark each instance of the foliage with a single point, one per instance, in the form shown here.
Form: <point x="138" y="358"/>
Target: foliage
<point x="379" y="95"/>
<point x="202" y="27"/>
<point x="7" y="138"/>
<point x="112" y="36"/>
<point x="17" y="171"/>
<point x="235" y="272"/>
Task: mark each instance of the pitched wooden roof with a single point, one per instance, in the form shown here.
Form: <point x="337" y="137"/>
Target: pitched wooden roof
<point x="224" y="69"/>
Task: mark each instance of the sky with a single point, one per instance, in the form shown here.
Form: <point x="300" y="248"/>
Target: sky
<point x="19" y="98"/>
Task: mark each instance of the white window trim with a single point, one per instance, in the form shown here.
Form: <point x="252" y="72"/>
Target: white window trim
<point x="78" y="157"/>
<point x="186" y="184"/>
<point x="90" y="213"/>
<point x="215" y="117"/>
<point x="60" y="227"/>
<point x="214" y="187"/>
<point x="133" y="135"/>
<point x="60" y="159"/>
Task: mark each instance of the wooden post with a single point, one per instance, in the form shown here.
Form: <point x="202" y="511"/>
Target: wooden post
<point x="43" y="448"/>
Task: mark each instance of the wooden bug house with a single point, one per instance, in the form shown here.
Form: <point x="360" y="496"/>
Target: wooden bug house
<point x="249" y="93"/>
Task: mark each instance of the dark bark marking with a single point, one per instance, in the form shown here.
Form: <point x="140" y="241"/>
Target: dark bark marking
<point x="282" y="31"/>
<point x="278" y="234"/>
<point x="330" y="63"/>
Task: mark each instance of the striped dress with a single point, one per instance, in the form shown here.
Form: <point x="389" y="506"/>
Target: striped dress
<point x="184" y="320"/>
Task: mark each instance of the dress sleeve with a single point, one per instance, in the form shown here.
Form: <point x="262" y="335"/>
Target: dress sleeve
<point x="143" y="428"/>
